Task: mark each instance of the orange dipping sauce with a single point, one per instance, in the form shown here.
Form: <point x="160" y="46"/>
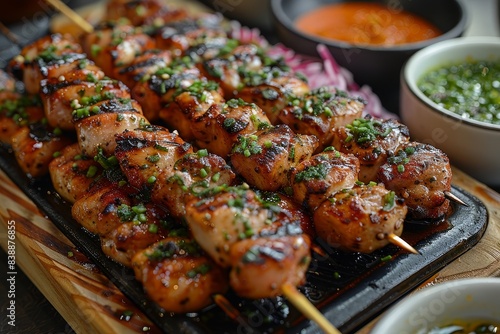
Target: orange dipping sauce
<point x="366" y="23"/>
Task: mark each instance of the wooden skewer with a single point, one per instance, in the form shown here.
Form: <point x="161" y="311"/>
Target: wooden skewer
<point x="226" y="306"/>
<point x="394" y="239"/>
<point x="307" y="308"/>
<point x="454" y="198"/>
<point x="72" y="15"/>
<point x="9" y="34"/>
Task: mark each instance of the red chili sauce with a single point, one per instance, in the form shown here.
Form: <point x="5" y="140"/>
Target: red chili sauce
<point x="366" y="23"/>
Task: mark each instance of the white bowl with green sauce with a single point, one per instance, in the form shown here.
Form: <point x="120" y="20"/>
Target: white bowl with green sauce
<point x="459" y="306"/>
<point x="461" y="122"/>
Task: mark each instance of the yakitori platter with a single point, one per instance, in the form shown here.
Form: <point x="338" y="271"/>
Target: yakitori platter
<point x="222" y="172"/>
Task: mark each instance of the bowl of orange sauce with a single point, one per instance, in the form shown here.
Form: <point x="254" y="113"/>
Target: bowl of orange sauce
<point x="371" y="39"/>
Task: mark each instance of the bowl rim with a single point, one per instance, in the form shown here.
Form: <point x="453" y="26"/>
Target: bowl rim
<point x="280" y="16"/>
<point x="444" y="47"/>
<point x="407" y="305"/>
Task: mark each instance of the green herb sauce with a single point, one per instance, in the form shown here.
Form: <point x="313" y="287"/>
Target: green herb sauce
<point x="470" y="89"/>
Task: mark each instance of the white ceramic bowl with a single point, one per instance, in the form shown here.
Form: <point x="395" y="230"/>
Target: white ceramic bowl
<point x="471" y="145"/>
<point x="438" y="305"/>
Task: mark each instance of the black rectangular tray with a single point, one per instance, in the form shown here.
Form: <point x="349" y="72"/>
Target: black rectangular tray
<point x="349" y="288"/>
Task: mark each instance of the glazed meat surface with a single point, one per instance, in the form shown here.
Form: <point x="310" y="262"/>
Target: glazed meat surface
<point x="316" y="179"/>
<point x="265" y="159"/>
<point x="421" y="175"/>
<point x="178" y="276"/>
<point x="360" y="219"/>
<point x="371" y="140"/>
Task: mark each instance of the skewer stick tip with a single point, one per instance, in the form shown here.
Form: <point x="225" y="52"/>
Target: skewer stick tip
<point x="72" y="15"/>
<point x="307" y="308"/>
<point x="226" y="306"/>
<point x="396" y="240"/>
<point x="454" y="198"/>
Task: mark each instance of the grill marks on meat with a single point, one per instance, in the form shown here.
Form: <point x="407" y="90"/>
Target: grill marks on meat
<point x="420" y="174"/>
<point x="46" y="58"/>
<point x="178" y="276"/>
<point x="359" y="219"/>
<point x="241" y="232"/>
<point x="316" y="179"/>
<point x="72" y="173"/>
<point x="320" y="112"/>
<point x="265" y="159"/>
<point x="143" y="154"/>
<point x="370" y="140"/>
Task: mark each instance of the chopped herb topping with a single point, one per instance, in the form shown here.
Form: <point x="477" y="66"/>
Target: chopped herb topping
<point x="247" y="146"/>
<point x="202" y="269"/>
<point x="106" y="162"/>
<point x="166" y="250"/>
<point x="135" y="214"/>
<point x="389" y="201"/>
<point x="401" y="158"/>
<point x="365" y="130"/>
<point x="153" y="158"/>
<point x="317" y="172"/>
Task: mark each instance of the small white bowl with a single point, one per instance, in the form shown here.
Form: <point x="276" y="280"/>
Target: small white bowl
<point x="469" y="299"/>
<point x="471" y="145"/>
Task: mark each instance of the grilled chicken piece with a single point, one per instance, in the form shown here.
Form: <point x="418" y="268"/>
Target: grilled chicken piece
<point x="271" y="93"/>
<point x="72" y="173"/>
<point x="261" y="266"/>
<point x="188" y="105"/>
<point x="97" y="131"/>
<point x="143" y="154"/>
<point x="35" y="146"/>
<point x="142" y="225"/>
<point x="115" y="46"/>
<point x="320" y="112"/>
<point x="321" y="176"/>
<point x="420" y="174"/>
<point x="142" y="12"/>
<point x="142" y="67"/>
<point x="271" y="85"/>
<point x="371" y="140"/>
<point x="252" y="236"/>
<point x="98" y="209"/>
<point x="198" y="37"/>
<point x="17" y="111"/>
<point x="287" y="211"/>
<point x="225" y="68"/>
<point x="220" y="221"/>
<point x="360" y="219"/>
<point x="191" y="176"/>
<point x="178" y="276"/>
<point x="161" y="88"/>
<point x="80" y="70"/>
<point x="48" y="57"/>
<point x="265" y="158"/>
<point x="61" y="98"/>
<point x="220" y="126"/>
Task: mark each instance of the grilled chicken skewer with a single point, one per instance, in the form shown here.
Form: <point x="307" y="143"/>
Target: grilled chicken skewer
<point x="239" y="232"/>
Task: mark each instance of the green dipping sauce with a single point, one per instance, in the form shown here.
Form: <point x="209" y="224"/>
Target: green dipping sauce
<point x="470" y="89"/>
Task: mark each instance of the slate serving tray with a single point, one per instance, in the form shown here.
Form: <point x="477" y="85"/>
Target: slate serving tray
<point x="349" y="288"/>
